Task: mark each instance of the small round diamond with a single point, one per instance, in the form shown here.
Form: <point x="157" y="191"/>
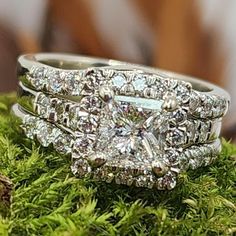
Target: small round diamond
<point x="82" y="120"/>
<point x="184" y="160"/>
<point x="182" y="93"/>
<point x="162" y="87"/>
<point x="73" y="83"/>
<point x="44" y="133"/>
<point x="118" y="80"/>
<point x="82" y="146"/>
<point x="176" y="137"/>
<point x="192" y="130"/>
<point x="73" y="116"/>
<point x="93" y="79"/>
<point x="91" y="104"/>
<point x="29" y="126"/>
<point x="80" y="167"/>
<point x="140" y="181"/>
<point x="208" y="104"/>
<point x="139" y="83"/>
<point x="219" y="106"/>
<point x="180" y="115"/>
<point x="194" y="102"/>
<point x="204" y="130"/>
<point x="120" y="178"/>
<point x="37" y="77"/>
<point x="171" y="157"/>
<point x="195" y="163"/>
<point x="63" y="143"/>
<point x="87" y="123"/>
<point x="55" y="82"/>
<point x="61" y="112"/>
<point x="167" y="182"/>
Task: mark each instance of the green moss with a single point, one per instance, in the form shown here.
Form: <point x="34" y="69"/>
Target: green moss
<point x="48" y="200"/>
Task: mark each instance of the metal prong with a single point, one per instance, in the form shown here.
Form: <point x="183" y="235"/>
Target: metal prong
<point x="170" y="103"/>
<point x="106" y="93"/>
<point x="96" y="160"/>
<point x="159" y="168"/>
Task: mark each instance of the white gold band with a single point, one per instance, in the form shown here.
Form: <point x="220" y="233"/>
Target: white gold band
<point x="119" y="121"/>
<point x="78" y="75"/>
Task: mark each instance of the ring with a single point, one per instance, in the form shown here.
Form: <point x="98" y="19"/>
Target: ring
<point x="160" y="174"/>
<point x="123" y="122"/>
<point x="78" y="75"/>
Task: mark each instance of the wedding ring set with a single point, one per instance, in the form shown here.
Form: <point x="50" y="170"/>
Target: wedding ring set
<point x="120" y="122"/>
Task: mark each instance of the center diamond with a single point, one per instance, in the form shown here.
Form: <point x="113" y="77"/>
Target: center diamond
<point x="127" y="129"/>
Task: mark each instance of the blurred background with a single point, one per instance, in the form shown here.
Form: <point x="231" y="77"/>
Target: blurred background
<point x="195" y="37"/>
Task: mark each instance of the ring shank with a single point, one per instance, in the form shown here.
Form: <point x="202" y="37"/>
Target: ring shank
<point x="71" y="62"/>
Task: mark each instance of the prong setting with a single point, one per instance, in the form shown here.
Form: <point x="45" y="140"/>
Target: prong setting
<point x="96" y="159"/>
<point x="159" y="168"/>
<point x="170" y="102"/>
<point x="106" y="93"/>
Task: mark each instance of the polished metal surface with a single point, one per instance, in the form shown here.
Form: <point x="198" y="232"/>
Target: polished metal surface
<point x="118" y="121"/>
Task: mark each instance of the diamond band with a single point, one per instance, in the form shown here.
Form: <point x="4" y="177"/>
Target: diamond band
<point x="120" y="122"/>
<point x="135" y="83"/>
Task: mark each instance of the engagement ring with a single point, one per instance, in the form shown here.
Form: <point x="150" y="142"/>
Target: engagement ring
<point x="120" y="122"/>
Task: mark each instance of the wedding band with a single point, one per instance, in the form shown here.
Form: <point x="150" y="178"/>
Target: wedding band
<point x="77" y="75"/>
<point x="123" y="122"/>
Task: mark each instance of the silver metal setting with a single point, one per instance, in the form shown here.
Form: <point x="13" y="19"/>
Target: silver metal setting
<point x="204" y="100"/>
<point x="120" y="122"/>
<point x="125" y="82"/>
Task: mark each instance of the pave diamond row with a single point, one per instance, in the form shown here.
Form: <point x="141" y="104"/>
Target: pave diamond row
<point x="83" y="82"/>
<point x="47" y="134"/>
<point x="206" y="107"/>
<point x="129" y="83"/>
<point x="55" y="81"/>
<point x="173" y="162"/>
<point x="194" y="132"/>
<point x="83" y="116"/>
